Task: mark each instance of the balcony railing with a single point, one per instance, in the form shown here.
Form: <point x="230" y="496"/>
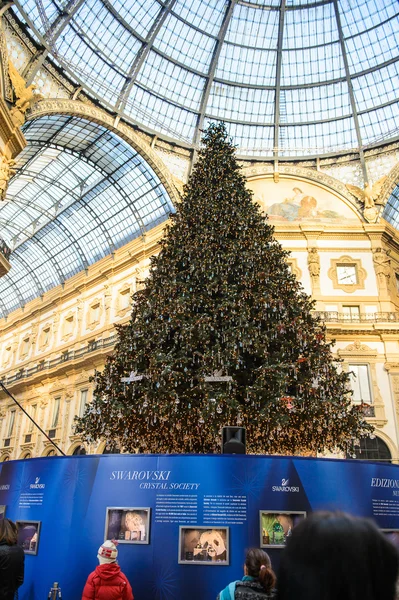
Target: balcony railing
<point x="64" y="357"/>
<point x="339" y="317"/>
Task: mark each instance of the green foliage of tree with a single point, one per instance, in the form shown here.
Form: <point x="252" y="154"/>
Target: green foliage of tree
<point x="220" y="298"/>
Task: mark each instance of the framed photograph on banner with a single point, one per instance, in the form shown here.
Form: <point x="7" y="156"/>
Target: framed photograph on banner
<point x="28" y="535"/>
<point x="2" y="511"/>
<point x="204" y="546"/>
<point x="128" y="525"/>
<point x="276" y="527"/>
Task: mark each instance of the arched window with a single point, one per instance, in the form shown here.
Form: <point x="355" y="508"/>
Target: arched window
<point x="51" y="452"/>
<point x="372" y="449"/>
<point x="26" y="456"/>
<point x="79" y="451"/>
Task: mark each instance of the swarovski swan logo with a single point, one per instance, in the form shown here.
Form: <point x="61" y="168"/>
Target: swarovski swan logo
<point x="285" y="486"/>
<point x="37" y="485"/>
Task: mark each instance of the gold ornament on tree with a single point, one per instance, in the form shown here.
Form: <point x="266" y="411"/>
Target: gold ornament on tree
<point x="25" y="95"/>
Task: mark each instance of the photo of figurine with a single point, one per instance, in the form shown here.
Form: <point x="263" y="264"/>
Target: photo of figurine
<point x="204" y="545"/>
<point x="28" y="535"/>
<point x="128" y="525"/>
<point x="2" y="511"/>
<point x="276" y="527"/>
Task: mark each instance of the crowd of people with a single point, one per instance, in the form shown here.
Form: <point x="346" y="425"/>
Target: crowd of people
<point x="329" y="556"/>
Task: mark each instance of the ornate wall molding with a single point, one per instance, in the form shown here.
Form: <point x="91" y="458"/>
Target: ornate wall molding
<point x="357" y="349"/>
<point x="127" y="133"/>
<point x="312" y="175"/>
<point x="293" y="264"/>
<point x="361" y="274"/>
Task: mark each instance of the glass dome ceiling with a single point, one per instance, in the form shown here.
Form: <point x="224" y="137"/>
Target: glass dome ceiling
<point x="80" y="192"/>
<point x="289" y="77"/>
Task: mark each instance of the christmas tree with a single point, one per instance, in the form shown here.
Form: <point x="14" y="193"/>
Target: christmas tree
<point x="222" y="334"/>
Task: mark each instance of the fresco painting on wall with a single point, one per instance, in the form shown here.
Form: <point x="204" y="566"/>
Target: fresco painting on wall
<point x="291" y="201"/>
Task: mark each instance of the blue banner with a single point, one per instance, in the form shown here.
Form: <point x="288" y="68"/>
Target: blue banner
<point x="183" y="522"/>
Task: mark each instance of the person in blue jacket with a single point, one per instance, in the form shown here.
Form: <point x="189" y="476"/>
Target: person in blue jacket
<point x="258" y="582"/>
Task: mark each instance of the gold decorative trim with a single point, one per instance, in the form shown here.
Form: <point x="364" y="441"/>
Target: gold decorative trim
<point x="361" y="274"/>
<point x="357" y="349"/>
<point x="293" y="264"/>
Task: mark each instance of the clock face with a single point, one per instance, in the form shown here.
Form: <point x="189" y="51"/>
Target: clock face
<point x="346" y="274"/>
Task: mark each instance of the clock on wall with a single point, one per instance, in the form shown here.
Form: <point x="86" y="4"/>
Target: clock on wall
<point x="347" y="274"/>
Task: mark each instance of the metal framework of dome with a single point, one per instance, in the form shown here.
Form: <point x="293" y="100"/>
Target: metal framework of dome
<point x="291" y="78"/>
<point x="79" y="193"/>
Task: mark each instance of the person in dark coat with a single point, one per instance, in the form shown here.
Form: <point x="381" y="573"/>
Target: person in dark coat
<point x="12" y="560"/>
<point x="107" y="582"/>
<point x="334" y="556"/>
<point x="258" y="582"/>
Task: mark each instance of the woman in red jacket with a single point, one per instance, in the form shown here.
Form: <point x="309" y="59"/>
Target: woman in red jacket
<point x="107" y="582"/>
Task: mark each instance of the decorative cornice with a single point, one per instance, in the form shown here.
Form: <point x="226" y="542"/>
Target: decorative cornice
<point x="357" y="349"/>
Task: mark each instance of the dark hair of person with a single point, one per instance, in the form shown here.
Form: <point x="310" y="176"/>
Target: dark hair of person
<point x="259" y="566"/>
<point x="334" y="556"/>
<point x="8" y="532"/>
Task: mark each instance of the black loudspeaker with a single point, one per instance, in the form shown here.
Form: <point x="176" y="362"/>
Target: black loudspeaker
<point x="233" y="440"/>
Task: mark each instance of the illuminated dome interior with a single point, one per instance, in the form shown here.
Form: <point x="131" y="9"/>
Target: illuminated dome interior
<point x="291" y="78"/>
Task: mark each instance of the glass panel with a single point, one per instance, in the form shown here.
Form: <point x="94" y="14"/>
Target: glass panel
<point x="242" y="104"/>
<point x="253" y="66"/>
<point x="186" y="45"/>
<point x="32" y="412"/>
<point x="83" y="401"/>
<point x="372" y="449"/>
<point x="56" y="412"/>
<point x="313" y="26"/>
<point x="11" y="423"/>
<point x="142" y="17"/>
<point x="206" y="15"/>
<point x="380" y="124"/>
<point x="167" y="79"/>
<point x="391" y="210"/>
<point x="360" y="383"/>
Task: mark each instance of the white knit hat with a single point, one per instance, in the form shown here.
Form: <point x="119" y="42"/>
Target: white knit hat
<point x="107" y="552"/>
